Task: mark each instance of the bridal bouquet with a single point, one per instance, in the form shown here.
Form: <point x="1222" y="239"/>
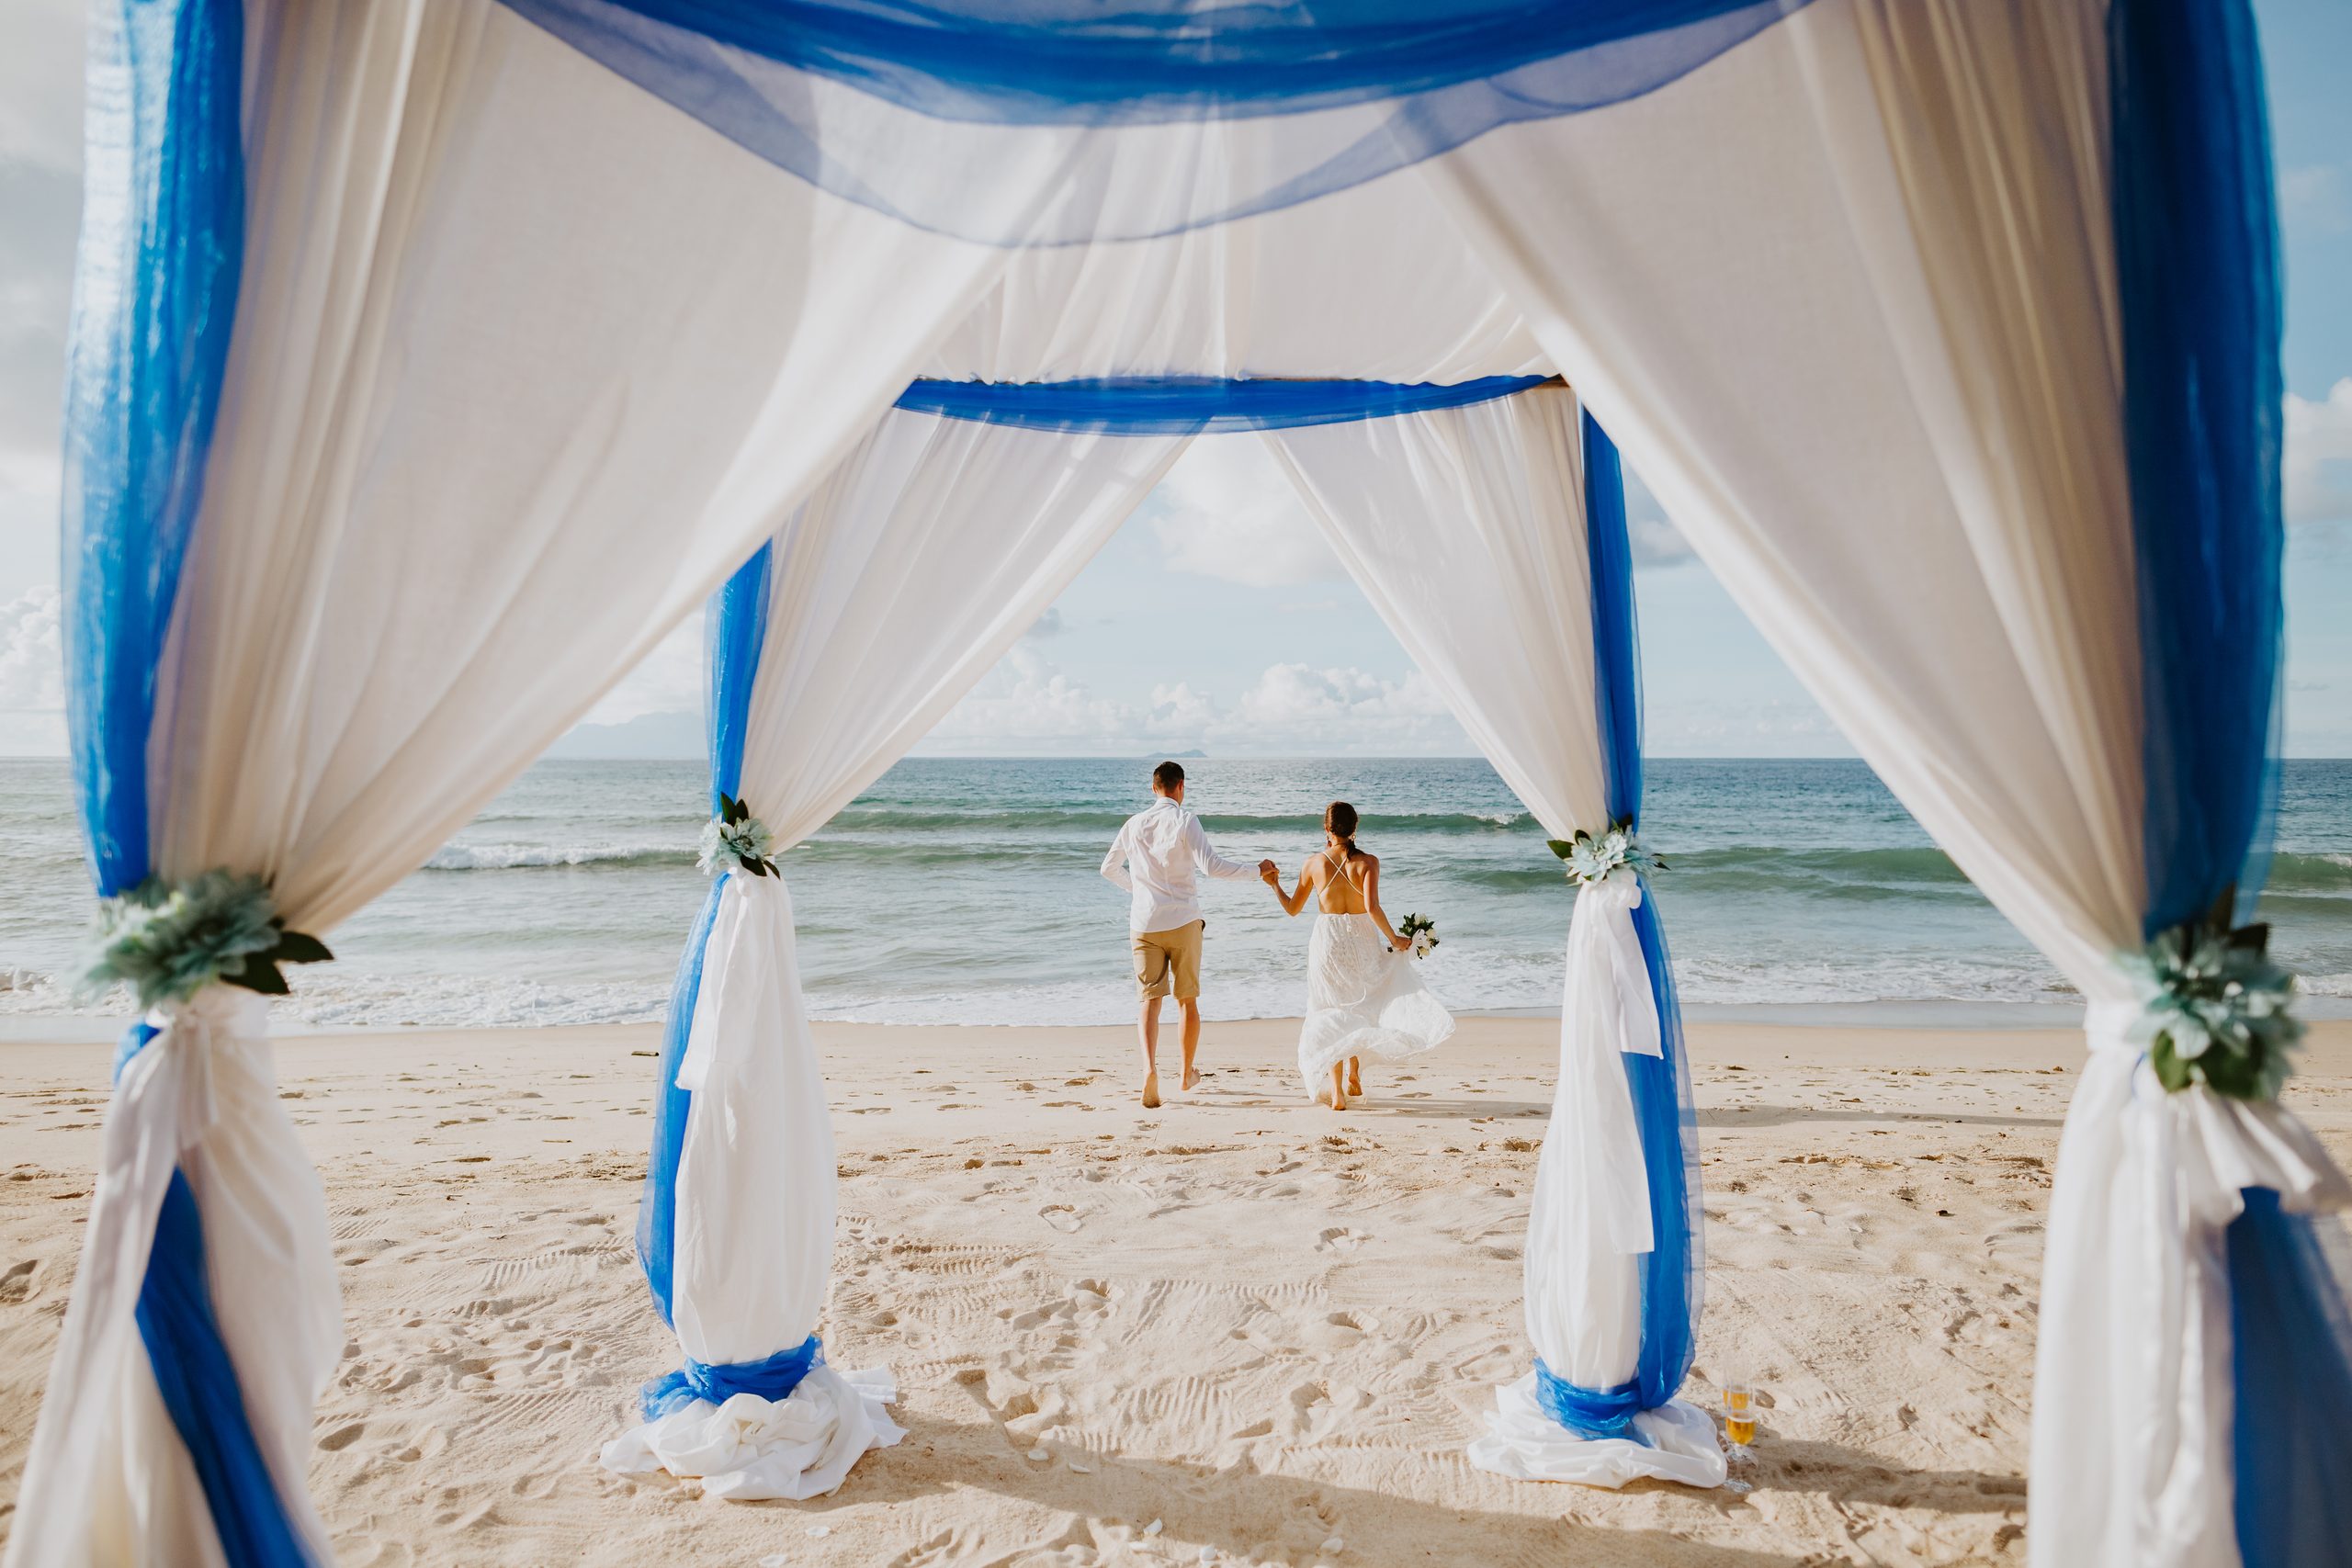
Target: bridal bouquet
<point x="1419" y="932"/>
<point x="1593" y="857"/>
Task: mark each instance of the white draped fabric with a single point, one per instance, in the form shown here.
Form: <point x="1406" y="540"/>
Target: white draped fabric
<point x="1927" y="516"/>
<point x="526" y="360"/>
<point x="894" y="588"/>
<point x="423" y="552"/>
<point x="202" y="1095"/>
<point x="1466" y="528"/>
<point x="1372" y="283"/>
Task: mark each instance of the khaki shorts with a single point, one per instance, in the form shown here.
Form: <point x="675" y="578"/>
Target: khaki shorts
<point x="1169" y="959"/>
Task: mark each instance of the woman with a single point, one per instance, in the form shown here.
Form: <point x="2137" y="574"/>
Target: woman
<point x="1363" y="994"/>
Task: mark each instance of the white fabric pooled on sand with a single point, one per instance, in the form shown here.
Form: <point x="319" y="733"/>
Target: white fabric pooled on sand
<point x="750" y="1450"/>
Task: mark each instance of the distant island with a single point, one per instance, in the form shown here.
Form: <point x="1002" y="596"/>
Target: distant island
<point x="1176" y="756"/>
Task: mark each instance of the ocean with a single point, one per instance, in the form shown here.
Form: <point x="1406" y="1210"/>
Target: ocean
<point x="959" y="891"/>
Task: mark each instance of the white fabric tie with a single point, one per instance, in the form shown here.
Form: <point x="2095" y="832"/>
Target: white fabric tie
<point x="200" y="1094"/>
<point x="2147" y="1254"/>
<point x="1610" y="1012"/>
<point x="755" y="1226"/>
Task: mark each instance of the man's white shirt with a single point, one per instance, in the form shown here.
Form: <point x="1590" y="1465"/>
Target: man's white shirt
<point x="1153" y="858"/>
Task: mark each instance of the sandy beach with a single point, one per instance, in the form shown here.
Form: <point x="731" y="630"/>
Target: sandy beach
<point x="1239" y="1329"/>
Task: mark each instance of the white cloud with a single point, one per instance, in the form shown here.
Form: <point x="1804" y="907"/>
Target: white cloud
<point x="1029" y="705"/>
<point x="1228" y="512"/>
<point x="1026" y="704"/>
<point x="2319" y="456"/>
<point x="1180" y="711"/>
<point x="1298" y="705"/>
<point x="32" y="663"/>
<point x="1052" y="623"/>
<point x="668" y="680"/>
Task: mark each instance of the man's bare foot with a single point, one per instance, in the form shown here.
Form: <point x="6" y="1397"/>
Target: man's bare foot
<point x="1192" y="1077"/>
<point x="1151" y="1091"/>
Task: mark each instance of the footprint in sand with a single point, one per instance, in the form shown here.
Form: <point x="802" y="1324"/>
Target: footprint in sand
<point x="1339" y="1240"/>
<point x="342" y="1438"/>
<point x="1062" y="1217"/>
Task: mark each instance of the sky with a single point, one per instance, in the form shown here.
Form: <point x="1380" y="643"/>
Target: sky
<point x="1216" y="619"/>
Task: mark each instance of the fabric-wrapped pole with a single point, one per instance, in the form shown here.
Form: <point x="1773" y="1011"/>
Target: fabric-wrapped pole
<point x="1933" y="202"/>
<point x="877" y="604"/>
<point x="326" y="605"/>
<point x="194" y="1115"/>
<point x="2229" y="1422"/>
<point x="1467" y="529"/>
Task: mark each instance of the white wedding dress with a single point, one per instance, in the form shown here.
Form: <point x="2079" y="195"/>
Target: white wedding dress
<point x="1363" y="999"/>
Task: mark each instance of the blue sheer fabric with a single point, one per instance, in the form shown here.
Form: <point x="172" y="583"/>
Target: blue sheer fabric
<point x="1194" y="405"/>
<point x="2289" y="1322"/>
<point x="2196" y="241"/>
<point x="657" y="1208"/>
<point x="772" y="1379"/>
<point x="1588" y="1412"/>
<point x="1425" y="79"/>
<point x="1672" y="1287"/>
<point x="2197" y="267"/>
<point x="199" y="1381"/>
<point x="155" y="297"/>
<point x="199" y="1385"/>
<point x="734" y="628"/>
<point x="734" y="631"/>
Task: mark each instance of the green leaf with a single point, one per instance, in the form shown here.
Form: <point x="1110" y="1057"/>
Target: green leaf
<point x="2235" y="1074"/>
<point x="1561" y="847"/>
<point x="2171" y="1071"/>
<point x="258" y="973"/>
<point x="295" y="947"/>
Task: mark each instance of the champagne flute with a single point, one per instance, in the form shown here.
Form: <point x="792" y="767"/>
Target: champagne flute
<point x="1739" y="1417"/>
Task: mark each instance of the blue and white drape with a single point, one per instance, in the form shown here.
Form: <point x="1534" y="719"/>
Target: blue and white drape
<point x="880" y="601"/>
<point x="361" y="512"/>
<point x="1492" y="540"/>
<point x="983" y="499"/>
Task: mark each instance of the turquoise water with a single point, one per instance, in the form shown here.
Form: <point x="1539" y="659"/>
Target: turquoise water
<point x="966" y="891"/>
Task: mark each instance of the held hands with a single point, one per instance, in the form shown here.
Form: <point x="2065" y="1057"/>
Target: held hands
<point x="1270" y="875"/>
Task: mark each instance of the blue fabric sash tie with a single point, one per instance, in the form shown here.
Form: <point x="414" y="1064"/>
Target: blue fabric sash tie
<point x="1195" y="405"/>
<point x="1587" y="1412"/>
<point x="771" y="1379"/>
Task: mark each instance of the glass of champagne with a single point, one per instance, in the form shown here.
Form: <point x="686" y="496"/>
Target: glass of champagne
<point x="1739" y="1417"/>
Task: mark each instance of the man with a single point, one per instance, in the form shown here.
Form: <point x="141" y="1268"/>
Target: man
<point x="1152" y="860"/>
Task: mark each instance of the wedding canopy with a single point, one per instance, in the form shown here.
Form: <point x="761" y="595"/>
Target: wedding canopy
<point x="1464" y="512"/>
<point x="432" y="357"/>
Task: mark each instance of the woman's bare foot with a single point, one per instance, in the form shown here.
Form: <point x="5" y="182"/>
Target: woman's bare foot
<point x="1192" y="1077"/>
<point x="1339" y="1100"/>
<point x="1151" y="1091"/>
<point x="1355" y="1077"/>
